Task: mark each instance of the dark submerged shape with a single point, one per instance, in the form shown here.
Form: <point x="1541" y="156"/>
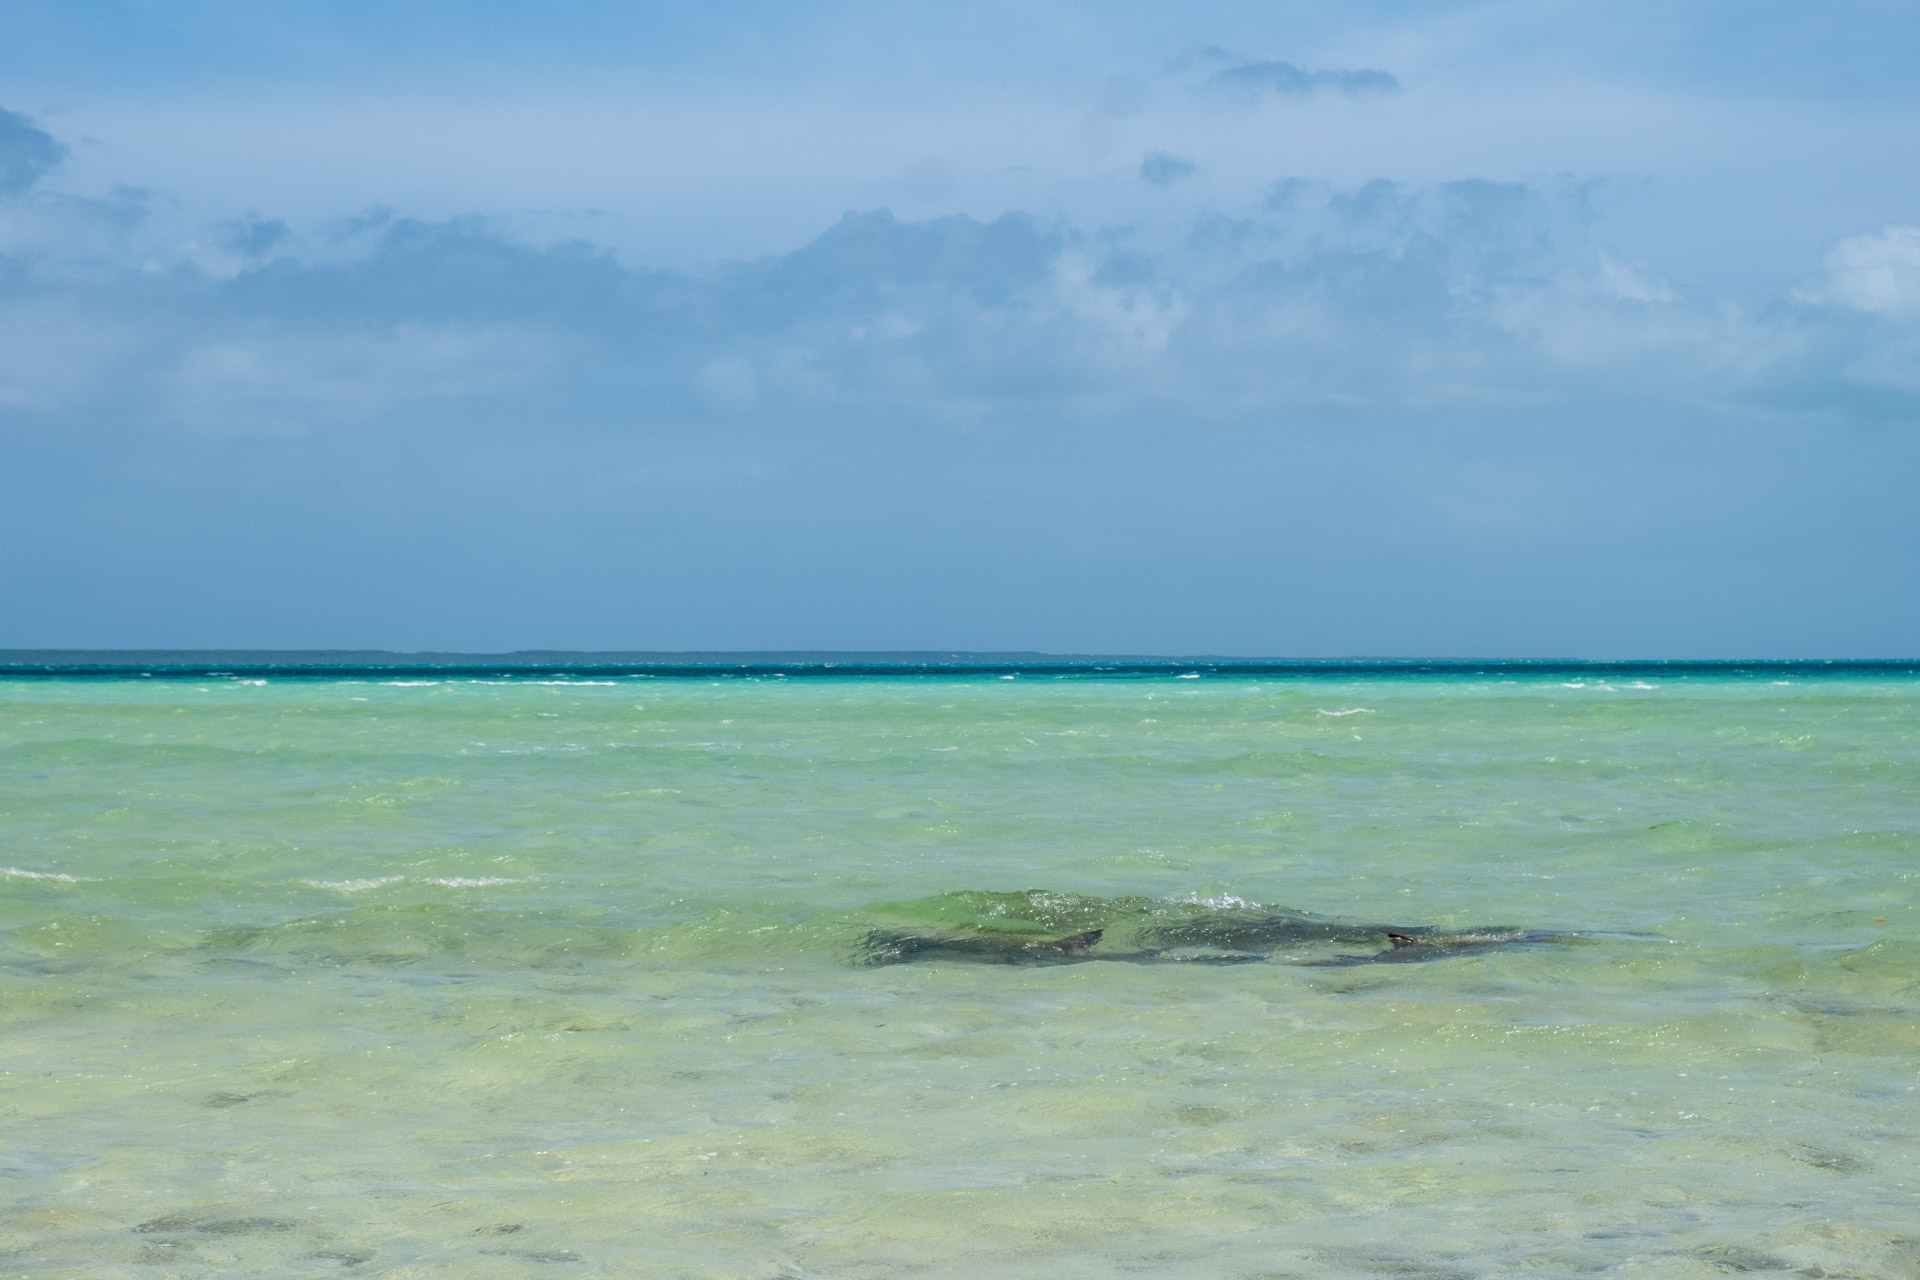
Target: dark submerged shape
<point x="1040" y="927"/>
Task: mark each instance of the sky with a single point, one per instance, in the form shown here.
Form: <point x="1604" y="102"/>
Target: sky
<point x="1513" y="329"/>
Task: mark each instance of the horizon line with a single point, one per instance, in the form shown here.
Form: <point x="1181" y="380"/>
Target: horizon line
<point x="213" y="663"/>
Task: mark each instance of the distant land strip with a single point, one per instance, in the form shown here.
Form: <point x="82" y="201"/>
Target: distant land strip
<point x="358" y="664"/>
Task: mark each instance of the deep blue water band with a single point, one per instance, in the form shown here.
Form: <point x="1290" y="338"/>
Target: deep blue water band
<point x="70" y="664"/>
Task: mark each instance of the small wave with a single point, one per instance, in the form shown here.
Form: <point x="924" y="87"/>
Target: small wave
<point x="606" y="683"/>
<point x="1352" y="711"/>
<point x="19" y="874"/>
<point x="1223" y="901"/>
<point x="1188" y="675"/>
<point x="353" y="886"/>
<point x="408" y="684"/>
<point x="381" y="882"/>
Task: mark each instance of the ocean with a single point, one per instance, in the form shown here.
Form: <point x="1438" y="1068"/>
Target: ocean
<point x="573" y="973"/>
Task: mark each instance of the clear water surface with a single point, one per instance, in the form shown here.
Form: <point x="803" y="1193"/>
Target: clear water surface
<point x="556" y="976"/>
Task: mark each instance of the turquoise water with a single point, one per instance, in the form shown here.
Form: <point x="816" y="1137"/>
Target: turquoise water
<point x="560" y="977"/>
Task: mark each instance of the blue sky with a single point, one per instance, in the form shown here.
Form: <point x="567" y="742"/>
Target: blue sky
<point x="1281" y="329"/>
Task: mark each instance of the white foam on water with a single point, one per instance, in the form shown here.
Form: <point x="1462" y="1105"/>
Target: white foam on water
<point x="1222" y="900"/>
<point x="408" y="684"/>
<point x="381" y="882"/>
<point x="1352" y="711"/>
<point x="21" y="874"/>
<point x="606" y="683"/>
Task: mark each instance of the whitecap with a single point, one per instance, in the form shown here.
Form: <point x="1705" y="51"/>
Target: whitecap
<point x="18" y="873"/>
<point x="607" y="683"/>
<point x="381" y="882"/>
<point x="408" y="684"/>
<point x="1223" y="900"/>
<point x="1352" y="711"/>
<point x="1188" y="675"/>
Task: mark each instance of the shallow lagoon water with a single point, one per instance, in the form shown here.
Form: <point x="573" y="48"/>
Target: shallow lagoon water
<point x="558" y="977"/>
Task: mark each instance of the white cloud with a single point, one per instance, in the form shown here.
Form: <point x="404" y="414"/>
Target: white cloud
<point x="1878" y="272"/>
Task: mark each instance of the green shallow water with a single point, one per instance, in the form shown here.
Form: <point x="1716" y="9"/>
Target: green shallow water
<point x="508" y="978"/>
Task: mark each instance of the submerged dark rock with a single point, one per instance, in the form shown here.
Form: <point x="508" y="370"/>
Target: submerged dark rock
<point x="1040" y="927"/>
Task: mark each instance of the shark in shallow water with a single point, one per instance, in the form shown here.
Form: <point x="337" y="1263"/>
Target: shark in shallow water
<point x="1041" y="927"/>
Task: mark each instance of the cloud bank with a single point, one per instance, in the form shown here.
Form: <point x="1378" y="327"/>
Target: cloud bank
<point x="1387" y="295"/>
